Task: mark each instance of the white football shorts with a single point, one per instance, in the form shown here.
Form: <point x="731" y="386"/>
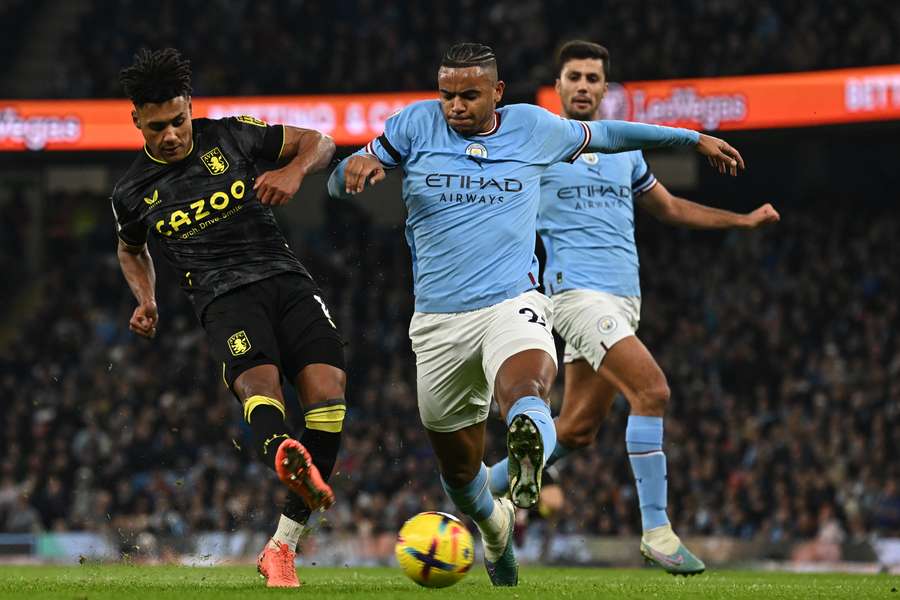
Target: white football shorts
<point x="458" y="355"/>
<point x="592" y="322"/>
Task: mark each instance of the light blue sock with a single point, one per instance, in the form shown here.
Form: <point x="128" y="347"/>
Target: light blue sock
<point x="539" y="412"/>
<point x="473" y="499"/>
<point x="643" y="439"/>
<point x="499" y="482"/>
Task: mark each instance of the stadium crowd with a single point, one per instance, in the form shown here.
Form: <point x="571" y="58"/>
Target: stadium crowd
<point x="780" y="346"/>
<point x="241" y="47"/>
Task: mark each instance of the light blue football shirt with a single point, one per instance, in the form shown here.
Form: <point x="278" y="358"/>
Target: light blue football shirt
<point x="586" y="222"/>
<point x="472" y="202"/>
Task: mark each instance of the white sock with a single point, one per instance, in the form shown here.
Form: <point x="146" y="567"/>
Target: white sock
<point x="662" y="539"/>
<point x="493" y="531"/>
<point x="288" y="532"/>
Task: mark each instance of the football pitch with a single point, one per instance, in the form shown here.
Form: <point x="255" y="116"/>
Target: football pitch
<point x="95" y="582"/>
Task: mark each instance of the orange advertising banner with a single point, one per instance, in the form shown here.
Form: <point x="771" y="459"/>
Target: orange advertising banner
<point x="106" y="124"/>
<point x="754" y="101"/>
<point x="750" y="102"/>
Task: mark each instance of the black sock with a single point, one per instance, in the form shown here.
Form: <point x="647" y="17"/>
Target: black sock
<point x="269" y="430"/>
<point x="323" y="446"/>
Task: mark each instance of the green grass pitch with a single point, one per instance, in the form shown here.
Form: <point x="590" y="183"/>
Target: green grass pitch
<point x="121" y="582"/>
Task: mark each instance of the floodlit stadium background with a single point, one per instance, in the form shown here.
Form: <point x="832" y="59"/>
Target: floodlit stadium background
<point x="781" y="346"/>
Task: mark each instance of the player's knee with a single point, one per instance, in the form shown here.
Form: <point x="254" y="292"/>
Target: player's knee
<point x="330" y="386"/>
<point x="459" y="475"/>
<point x="654" y="397"/>
<point x="318" y="383"/>
<point x="262" y="380"/>
<point x="509" y="392"/>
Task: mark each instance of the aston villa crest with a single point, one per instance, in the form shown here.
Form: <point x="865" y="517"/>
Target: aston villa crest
<point x="215" y="161"/>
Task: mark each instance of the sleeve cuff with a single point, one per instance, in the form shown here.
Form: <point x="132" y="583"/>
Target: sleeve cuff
<point x="584" y="144"/>
<point x="273" y="143"/>
<point x="131" y="243"/>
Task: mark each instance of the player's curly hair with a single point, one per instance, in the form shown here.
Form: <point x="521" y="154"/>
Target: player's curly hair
<point x="156" y="76"/>
<point x="578" y="49"/>
<point x="469" y="55"/>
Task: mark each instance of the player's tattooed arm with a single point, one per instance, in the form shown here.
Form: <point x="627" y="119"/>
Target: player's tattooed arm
<point x="307" y="151"/>
<point x="660" y="203"/>
<point x="137" y="266"/>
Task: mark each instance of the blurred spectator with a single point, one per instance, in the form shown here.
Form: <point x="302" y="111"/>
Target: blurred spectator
<point x="23" y="518"/>
<point x="780" y="347"/>
<point x="268" y="47"/>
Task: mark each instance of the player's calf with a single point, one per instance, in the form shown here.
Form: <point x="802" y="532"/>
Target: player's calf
<point x="651" y="398"/>
<point x="521" y="385"/>
<point x="297" y="471"/>
<point x="575" y="435"/>
<point x="279" y="451"/>
<point x="322" y="439"/>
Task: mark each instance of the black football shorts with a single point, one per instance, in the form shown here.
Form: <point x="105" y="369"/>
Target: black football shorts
<point x="281" y="321"/>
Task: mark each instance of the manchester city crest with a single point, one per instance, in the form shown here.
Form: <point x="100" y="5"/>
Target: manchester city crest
<point x="476" y="150"/>
<point x="590" y="158"/>
<point x="607" y="324"/>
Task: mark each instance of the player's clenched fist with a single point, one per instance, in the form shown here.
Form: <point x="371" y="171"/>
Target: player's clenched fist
<point x="720" y="154"/>
<point x="277" y="187"/>
<point x="359" y="169"/>
<point x="764" y="215"/>
<point x="144" y="319"/>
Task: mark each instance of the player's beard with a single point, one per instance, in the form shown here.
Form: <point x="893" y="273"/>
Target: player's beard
<point x="578" y="114"/>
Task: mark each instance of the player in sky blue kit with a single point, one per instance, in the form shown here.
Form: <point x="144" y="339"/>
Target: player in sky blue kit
<point x="586" y="222"/>
<point x="472" y="187"/>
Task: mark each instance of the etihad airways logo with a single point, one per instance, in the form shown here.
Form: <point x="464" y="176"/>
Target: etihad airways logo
<point x="469" y="189"/>
<point x="617" y="192"/>
<point x="468" y="182"/>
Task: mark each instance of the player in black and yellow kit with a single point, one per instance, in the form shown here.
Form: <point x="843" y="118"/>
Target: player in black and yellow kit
<point x="197" y="187"/>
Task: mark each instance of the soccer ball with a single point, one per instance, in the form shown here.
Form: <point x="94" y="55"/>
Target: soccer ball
<point x="435" y="549"/>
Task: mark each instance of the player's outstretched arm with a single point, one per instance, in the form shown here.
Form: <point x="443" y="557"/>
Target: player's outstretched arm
<point x="352" y="174"/>
<point x="307" y="151"/>
<point x="621" y="136"/>
<point x="660" y="203"/>
<point x="137" y="266"/>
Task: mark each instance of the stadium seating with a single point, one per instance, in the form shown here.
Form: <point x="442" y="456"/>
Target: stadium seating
<point x="783" y="418"/>
<point x="360" y="45"/>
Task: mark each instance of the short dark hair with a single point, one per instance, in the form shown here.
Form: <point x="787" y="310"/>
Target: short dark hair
<point x="156" y="76"/>
<point x="469" y="55"/>
<point x="578" y="49"/>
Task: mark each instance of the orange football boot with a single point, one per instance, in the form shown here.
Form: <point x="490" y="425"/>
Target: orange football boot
<point x="276" y="564"/>
<point x="296" y="470"/>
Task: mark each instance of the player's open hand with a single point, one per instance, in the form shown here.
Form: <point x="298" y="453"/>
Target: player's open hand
<point x="720" y="154"/>
<point x="764" y="215"/>
<point x="360" y="169"/>
<point x="144" y="319"/>
<point x="277" y="187"/>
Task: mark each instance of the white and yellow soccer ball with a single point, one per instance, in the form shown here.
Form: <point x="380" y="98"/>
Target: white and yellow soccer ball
<point x="435" y="549"/>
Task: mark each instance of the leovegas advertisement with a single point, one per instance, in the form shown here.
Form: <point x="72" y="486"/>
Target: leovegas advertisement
<point x="751" y="102"/>
<point x="106" y="124"/>
<point x="756" y="101"/>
